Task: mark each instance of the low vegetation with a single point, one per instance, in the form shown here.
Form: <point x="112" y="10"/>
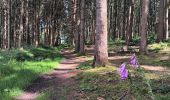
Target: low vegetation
<point x="19" y="67"/>
<point x="106" y="83"/>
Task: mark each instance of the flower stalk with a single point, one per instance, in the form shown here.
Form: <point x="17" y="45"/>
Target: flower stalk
<point x="125" y="74"/>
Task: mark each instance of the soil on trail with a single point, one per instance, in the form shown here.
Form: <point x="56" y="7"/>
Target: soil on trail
<point x="57" y="79"/>
<point x="61" y="78"/>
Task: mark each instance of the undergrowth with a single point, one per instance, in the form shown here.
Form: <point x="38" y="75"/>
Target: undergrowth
<point x="105" y="83"/>
<point x="19" y="67"/>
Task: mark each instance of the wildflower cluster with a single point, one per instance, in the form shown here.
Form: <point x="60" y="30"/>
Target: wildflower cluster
<point x="124" y="73"/>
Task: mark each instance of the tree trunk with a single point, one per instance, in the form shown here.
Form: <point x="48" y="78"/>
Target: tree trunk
<point x="5" y="27"/>
<point x="130" y="23"/>
<point x="115" y="19"/>
<point x="9" y="22"/>
<point x="77" y="35"/>
<point x="124" y="21"/>
<point x="21" y="24"/>
<point x="27" y="22"/>
<point x="166" y="19"/>
<point x="161" y="31"/>
<point x="82" y="28"/>
<point x="101" y="53"/>
<point x="143" y="26"/>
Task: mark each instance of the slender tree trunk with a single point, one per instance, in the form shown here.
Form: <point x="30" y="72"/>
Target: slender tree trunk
<point x="9" y="22"/>
<point x="74" y="23"/>
<point x="21" y="24"/>
<point x="124" y="21"/>
<point x="82" y="28"/>
<point x="26" y="23"/>
<point x="115" y="19"/>
<point x="5" y="27"/>
<point x="101" y="53"/>
<point x="161" y="31"/>
<point x="77" y="34"/>
<point x="166" y="19"/>
<point x="143" y="26"/>
<point x="130" y="23"/>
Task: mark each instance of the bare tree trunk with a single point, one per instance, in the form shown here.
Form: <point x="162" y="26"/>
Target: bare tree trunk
<point x="101" y="53"/>
<point x="82" y="28"/>
<point x="166" y="19"/>
<point x="9" y="22"/>
<point x="74" y="23"/>
<point x="26" y="23"/>
<point x="5" y="27"/>
<point x="144" y="26"/>
<point x="161" y="22"/>
<point x="124" y="21"/>
<point x="130" y="23"/>
<point x="115" y="19"/>
<point x="77" y="35"/>
<point x="21" y="24"/>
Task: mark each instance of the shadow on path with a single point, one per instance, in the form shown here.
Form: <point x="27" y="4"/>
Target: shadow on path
<point x="56" y="78"/>
<point x="62" y="75"/>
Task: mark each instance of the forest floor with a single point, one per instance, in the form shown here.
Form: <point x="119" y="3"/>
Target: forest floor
<point x="75" y="79"/>
<point x="55" y="80"/>
<point x="20" y="67"/>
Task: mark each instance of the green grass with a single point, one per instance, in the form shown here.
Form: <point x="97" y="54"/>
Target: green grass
<point x="158" y="47"/>
<point x="18" y="68"/>
<point x="86" y="65"/>
<point x="160" y="55"/>
<point x="154" y="61"/>
<point x="45" y="95"/>
<point x="105" y="82"/>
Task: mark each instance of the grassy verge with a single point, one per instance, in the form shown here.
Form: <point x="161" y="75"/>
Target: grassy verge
<point x="160" y="55"/>
<point x="102" y="82"/>
<point x="18" y="68"/>
<point x="163" y="47"/>
<point x="105" y="83"/>
<point x="45" y="95"/>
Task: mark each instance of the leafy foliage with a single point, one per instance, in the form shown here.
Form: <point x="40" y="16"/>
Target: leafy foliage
<point x="37" y="54"/>
<point x="86" y="65"/>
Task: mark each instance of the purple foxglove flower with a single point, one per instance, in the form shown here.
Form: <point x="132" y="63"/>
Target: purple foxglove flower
<point x="134" y="61"/>
<point x="123" y="71"/>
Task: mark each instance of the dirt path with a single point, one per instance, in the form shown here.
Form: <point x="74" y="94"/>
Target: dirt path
<point x="61" y="77"/>
<point x="56" y="79"/>
<point x="117" y="59"/>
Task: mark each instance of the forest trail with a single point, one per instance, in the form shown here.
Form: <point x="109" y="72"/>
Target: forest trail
<point x="62" y="76"/>
<point x="56" y="79"/>
<point x="116" y="59"/>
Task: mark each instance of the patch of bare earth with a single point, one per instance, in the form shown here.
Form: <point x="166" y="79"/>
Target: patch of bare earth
<point x="63" y="83"/>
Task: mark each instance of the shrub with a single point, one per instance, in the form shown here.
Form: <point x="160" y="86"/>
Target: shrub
<point x="24" y="55"/>
<point x="152" y="38"/>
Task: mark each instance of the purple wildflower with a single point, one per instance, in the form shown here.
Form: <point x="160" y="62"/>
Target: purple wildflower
<point x="134" y="61"/>
<point x="123" y="71"/>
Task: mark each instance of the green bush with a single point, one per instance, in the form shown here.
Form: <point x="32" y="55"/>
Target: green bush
<point x="47" y="47"/>
<point x="152" y="38"/>
<point x="22" y="56"/>
<point x="37" y="54"/>
<point x="41" y="53"/>
<point x="136" y="40"/>
<point x="117" y="42"/>
<point x="18" y="69"/>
